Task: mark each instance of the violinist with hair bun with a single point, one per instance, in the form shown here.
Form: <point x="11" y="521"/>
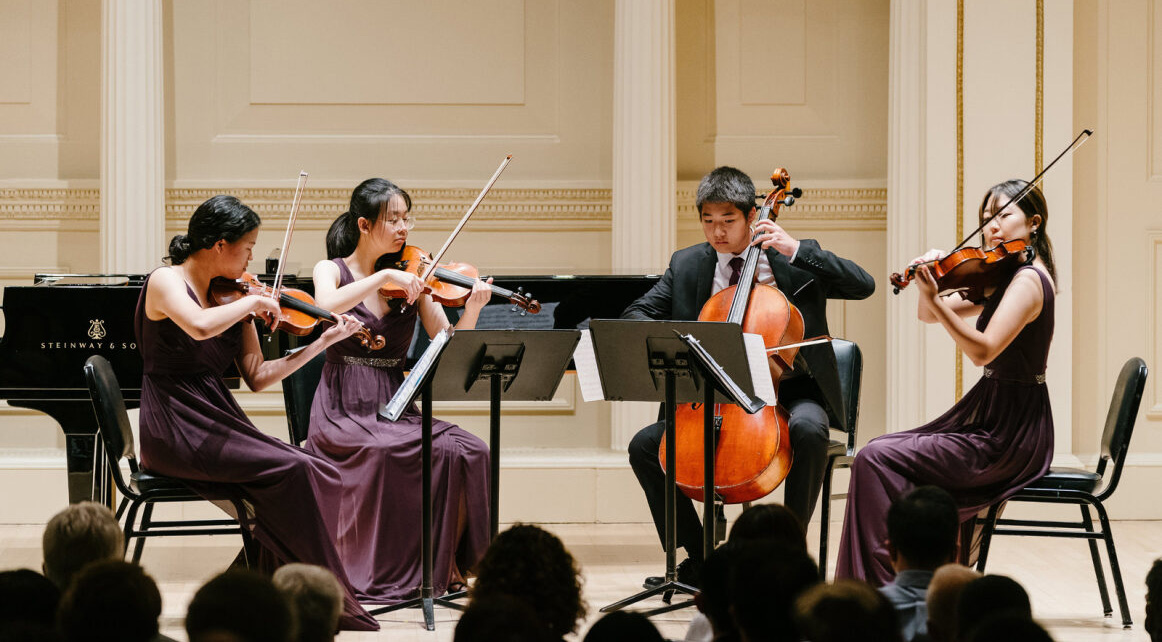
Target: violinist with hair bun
<point x="999" y="437"/>
<point x="191" y="425"/>
<point x="379" y="529"/>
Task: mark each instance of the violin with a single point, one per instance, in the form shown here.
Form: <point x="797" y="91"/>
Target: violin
<point x="298" y="314"/>
<point x="753" y="451"/>
<point x="972" y="270"/>
<point x="449" y="284"/>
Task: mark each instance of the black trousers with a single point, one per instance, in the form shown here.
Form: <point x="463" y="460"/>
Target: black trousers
<point x="809" y="441"/>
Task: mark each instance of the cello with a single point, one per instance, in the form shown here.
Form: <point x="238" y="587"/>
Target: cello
<point x="753" y="452"/>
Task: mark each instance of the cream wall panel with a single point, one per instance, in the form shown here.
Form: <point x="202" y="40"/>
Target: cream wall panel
<point x="694" y="87"/>
<point x="16" y="51"/>
<point x="28" y="91"/>
<point x="550" y="104"/>
<point x="301" y="52"/>
<point x="806" y="90"/>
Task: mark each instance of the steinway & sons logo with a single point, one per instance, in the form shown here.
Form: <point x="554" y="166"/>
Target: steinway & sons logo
<point x="97" y="334"/>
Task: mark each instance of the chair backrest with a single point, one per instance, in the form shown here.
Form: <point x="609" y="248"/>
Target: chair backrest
<point x="849" y="360"/>
<point x="298" y="392"/>
<point x="1123" y="413"/>
<point x="112" y="418"/>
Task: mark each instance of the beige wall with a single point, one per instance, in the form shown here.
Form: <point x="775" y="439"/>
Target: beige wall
<point x="432" y="95"/>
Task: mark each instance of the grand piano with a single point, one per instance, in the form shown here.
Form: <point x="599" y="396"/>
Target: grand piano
<point x="55" y="324"/>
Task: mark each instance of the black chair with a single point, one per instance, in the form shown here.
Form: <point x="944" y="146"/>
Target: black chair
<point x="840" y="454"/>
<point x="144" y="488"/>
<point x="298" y="392"/>
<point x="1085" y="489"/>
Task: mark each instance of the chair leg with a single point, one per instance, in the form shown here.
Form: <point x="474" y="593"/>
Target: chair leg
<point x="825" y="519"/>
<point x="121" y="508"/>
<point x="249" y="550"/>
<point x="1115" y="569"/>
<point x="1087" y="520"/>
<point x="986" y="537"/>
<point x="130" y="520"/>
<point x="146" y="522"/>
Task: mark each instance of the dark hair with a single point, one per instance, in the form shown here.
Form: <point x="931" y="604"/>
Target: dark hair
<point x="1033" y="204"/>
<point x="111" y="601"/>
<point x="726" y="185"/>
<point x="772" y="522"/>
<point x="532" y="564"/>
<point x="846" y="611"/>
<point x="623" y="626"/>
<point x="240" y="602"/>
<point x="500" y="618"/>
<point x="714" y="586"/>
<point x="220" y="217"/>
<point x="369" y="200"/>
<point x="1008" y="627"/>
<point x="27" y="596"/>
<point x="765" y="580"/>
<point x="923" y="526"/>
<point x="987" y="596"/>
<point x="1154" y="601"/>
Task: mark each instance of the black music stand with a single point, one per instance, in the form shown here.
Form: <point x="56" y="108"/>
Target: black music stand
<point x="450" y="369"/>
<point x="666" y="361"/>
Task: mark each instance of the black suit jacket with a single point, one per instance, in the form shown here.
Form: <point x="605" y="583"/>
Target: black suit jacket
<point x="815" y="276"/>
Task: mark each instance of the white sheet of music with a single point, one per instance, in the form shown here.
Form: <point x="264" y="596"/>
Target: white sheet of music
<point x="585" y="361"/>
<point x="760" y="373"/>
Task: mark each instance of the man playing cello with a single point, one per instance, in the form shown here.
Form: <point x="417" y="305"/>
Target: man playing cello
<point x="808" y="275"/>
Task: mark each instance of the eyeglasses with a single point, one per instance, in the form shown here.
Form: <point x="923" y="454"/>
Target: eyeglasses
<point x="406" y="223"/>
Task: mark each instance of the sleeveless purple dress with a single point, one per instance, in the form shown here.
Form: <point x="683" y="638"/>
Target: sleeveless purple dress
<point x="193" y="429"/>
<point x="996" y="440"/>
<point x="379" y="523"/>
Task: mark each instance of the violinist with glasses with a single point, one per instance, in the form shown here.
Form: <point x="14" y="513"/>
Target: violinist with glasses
<point x="999" y="437"/>
<point x="192" y="427"/>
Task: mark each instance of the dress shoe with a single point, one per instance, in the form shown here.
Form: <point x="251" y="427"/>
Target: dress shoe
<point x="688" y="572"/>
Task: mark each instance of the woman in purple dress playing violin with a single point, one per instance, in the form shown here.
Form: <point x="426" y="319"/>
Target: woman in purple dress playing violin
<point x="999" y="436"/>
<point x="192" y="427"/>
<point x="379" y="532"/>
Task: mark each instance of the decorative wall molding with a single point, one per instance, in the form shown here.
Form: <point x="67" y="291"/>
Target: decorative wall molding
<point x="1153" y="319"/>
<point x="557" y="208"/>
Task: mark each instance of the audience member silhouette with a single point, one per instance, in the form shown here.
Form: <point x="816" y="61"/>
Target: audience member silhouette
<point x="110" y="601"/>
<point x="765" y="580"/>
<point x="533" y="565"/>
<point x="623" y="626"/>
<point x="315" y="598"/>
<point x="501" y="618"/>
<point x="988" y="596"/>
<point x="923" y="527"/>
<point x="1008" y="627"/>
<point x="943" y="598"/>
<point x="846" y="611"/>
<point x="28" y="602"/>
<point x="1154" y="601"/>
<point x="239" y="606"/>
<point x="83" y="533"/>
<point x="771" y="522"/>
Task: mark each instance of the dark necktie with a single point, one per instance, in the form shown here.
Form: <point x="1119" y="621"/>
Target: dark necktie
<point x="735" y="270"/>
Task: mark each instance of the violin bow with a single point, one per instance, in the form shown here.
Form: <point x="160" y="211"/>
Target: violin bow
<point x="464" y="219"/>
<point x="290" y="226"/>
<point x="1077" y="142"/>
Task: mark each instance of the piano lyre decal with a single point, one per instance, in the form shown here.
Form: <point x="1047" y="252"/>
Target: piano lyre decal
<point x="97" y="329"/>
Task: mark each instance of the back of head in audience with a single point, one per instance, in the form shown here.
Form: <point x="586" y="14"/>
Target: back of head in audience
<point x="82" y="533"/>
<point x="501" y="618"/>
<point x="1154" y="601"/>
<point x="315" y="598"/>
<point x="623" y="626"/>
<point x="922" y="529"/>
<point x="1008" y="627"/>
<point x="110" y="601"/>
<point x="27" y="597"/>
<point x="239" y="605"/>
<point x="989" y="596"/>
<point x="713" y="599"/>
<point x="769" y="522"/>
<point x="846" y="611"/>
<point x="765" y="580"/>
<point x="533" y="565"/>
<point x="943" y="597"/>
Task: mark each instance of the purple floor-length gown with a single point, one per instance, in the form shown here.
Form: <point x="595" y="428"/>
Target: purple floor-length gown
<point x="997" y="439"/>
<point x="379" y="527"/>
<point x="193" y="429"/>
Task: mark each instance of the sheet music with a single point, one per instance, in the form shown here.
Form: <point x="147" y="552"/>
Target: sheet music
<point x="760" y="373"/>
<point x="395" y="407"/>
<point x="585" y="360"/>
